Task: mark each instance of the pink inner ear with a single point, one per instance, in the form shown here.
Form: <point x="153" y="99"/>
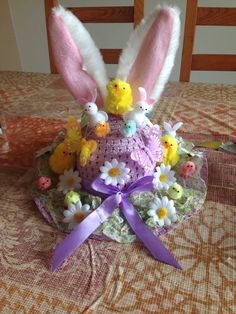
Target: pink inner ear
<point x="150" y="60"/>
<point x="151" y="101"/>
<point x="69" y="61"/>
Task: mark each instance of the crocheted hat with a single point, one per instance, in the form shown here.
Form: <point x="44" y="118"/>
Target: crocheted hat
<point x="111" y="172"/>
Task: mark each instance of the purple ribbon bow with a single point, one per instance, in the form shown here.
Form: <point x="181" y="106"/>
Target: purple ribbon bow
<point x="115" y="198"/>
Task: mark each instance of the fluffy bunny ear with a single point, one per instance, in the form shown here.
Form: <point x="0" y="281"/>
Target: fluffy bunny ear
<point x="149" y="56"/>
<point x="171" y="130"/>
<point x="77" y="58"/>
<point x="94" y="95"/>
<point x="177" y="126"/>
<point x="91" y="97"/>
<point x="143" y="94"/>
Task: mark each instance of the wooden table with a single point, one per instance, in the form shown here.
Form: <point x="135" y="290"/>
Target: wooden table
<point x="107" y="277"/>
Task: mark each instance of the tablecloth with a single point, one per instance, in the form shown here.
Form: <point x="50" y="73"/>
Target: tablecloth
<point x="105" y="276"/>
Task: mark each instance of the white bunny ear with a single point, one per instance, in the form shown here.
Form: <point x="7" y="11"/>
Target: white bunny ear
<point x="177" y="126"/>
<point x="167" y="126"/>
<point x="95" y="94"/>
<point x="171" y="130"/>
<point x="149" y="56"/>
<point x="77" y="58"/>
<point x="143" y="94"/>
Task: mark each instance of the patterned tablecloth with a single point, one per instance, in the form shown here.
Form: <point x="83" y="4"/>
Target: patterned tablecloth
<point x="104" y="276"/>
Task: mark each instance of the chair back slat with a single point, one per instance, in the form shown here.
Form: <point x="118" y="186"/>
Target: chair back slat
<point x="216" y="16"/>
<point x="213" y="62"/>
<point x="111" y="56"/>
<point x="204" y="16"/>
<point x="104" y="14"/>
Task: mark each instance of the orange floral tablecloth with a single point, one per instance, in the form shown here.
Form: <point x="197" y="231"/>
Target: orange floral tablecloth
<point x="104" y="276"/>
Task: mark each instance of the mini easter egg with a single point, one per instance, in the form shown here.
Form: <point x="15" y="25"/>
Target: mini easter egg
<point x="187" y="169"/>
<point x="71" y="198"/>
<point x="44" y="183"/>
<point x="175" y="191"/>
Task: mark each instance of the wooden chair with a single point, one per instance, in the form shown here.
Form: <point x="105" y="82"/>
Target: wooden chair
<point x="205" y="62"/>
<point x="126" y="14"/>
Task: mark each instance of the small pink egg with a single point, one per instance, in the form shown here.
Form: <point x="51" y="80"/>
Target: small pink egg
<point x="44" y="183"/>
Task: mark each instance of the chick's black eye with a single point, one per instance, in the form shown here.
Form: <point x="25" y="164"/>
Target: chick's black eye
<point x="115" y="85"/>
<point x="123" y="87"/>
<point x="166" y="142"/>
<point x="171" y="144"/>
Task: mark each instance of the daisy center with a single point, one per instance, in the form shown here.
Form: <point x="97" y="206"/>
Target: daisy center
<point x="79" y="216"/>
<point x="114" y="172"/>
<point x="70" y="182"/>
<point x="162" y="212"/>
<point x="163" y="177"/>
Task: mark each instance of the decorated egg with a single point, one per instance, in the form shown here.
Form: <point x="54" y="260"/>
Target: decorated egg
<point x="44" y="183"/>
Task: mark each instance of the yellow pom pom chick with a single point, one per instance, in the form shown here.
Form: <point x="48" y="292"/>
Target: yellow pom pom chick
<point x="88" y="148"/>
<point x="119" y="98"/>
<point x="62" y="159"/>
<point x="171" y="156"/>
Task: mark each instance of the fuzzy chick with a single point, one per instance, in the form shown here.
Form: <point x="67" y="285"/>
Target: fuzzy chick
<point x="175" y="191"/>
<point x="129" y="128"/>
<point x="119" y="98"/>
<point x="61" y="159"/>
<point x="171" y="156"/>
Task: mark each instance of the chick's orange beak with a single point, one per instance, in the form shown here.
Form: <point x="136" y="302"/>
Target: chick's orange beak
<point x="166" y="145"/>
<point x="117" y="88"/>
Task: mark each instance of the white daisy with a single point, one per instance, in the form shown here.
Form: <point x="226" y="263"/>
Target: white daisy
<point x="114" y="172"/>
<point x="75" y="214"/>
<point x="163" y="211"/>
<point x="69" y="181"/>
<point x="163" y="177"/>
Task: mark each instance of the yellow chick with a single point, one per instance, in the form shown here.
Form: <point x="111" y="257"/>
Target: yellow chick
<point x="61" y="159"/>
<point x="87" y="149"/>
<point x="119" y="98"/>
<point x="171" y="156"/>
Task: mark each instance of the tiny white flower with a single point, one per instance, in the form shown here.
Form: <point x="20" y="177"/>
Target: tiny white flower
<point x="114" y="172"/>
<point x="69" y="181"/>
<point x="163" y="211"/>
<point x="163" y="177"/>
<point x="75" y="214"/>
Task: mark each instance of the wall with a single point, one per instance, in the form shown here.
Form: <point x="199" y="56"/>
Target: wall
<point x="9" y="54"/>
<point x="30" y="32"/>
<point x="29" y="24"/>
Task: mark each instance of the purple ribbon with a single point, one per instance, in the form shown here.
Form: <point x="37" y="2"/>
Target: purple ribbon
<point x="115" y="198"/>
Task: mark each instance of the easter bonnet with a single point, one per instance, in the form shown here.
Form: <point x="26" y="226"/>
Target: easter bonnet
<point x="111" y="173"/>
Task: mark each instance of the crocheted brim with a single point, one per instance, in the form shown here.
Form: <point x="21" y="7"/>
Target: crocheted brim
<point x="51" y="202"/>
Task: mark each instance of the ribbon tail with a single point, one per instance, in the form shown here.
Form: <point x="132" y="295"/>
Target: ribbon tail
<point x="83" y="231"/>
<point x="152" y="243"/>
